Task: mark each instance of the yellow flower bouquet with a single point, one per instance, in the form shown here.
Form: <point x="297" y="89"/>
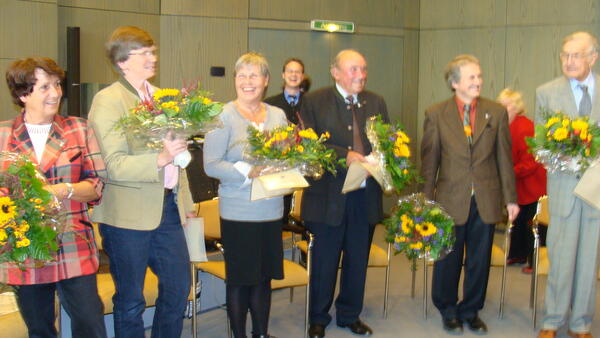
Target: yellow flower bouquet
<point x="291" y="147"/>
<point x="29" y="214"/>
<point x="566" y="144"/>
<point x="391" y="151"/>
<point x="419" y="227"/>
<point x="183" y="113"/>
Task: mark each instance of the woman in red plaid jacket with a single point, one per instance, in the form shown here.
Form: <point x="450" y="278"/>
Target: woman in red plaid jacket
<point x="65" y="149"/>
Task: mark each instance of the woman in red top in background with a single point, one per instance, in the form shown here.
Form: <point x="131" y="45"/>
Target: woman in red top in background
<point x="530" y="176"/>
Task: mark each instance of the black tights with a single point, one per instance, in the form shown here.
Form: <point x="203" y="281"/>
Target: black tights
<point x="257" y="299"/>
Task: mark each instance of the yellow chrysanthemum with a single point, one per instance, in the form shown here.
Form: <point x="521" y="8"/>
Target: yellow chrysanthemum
<point x="407" y="224"/>
<point x="579" y="125"/>
<point x="299" y="148"/>
<point x="3" y="235"/>
<point x="402" y="137"/>
<point x="206" y="100"/>
<point x="23" y="227"/>
<point x="583" y="135"/>
<point x="401" y="150"/>
<point x="269" y="142"/>
<point x="23" y="243"/>
<point x="280" y="136"/>
<point x="551" y="121"/>
<point x="8" y="210"/>
<point x="400" y="239"/>
<point x="417" y="245"/>
<point x="290" y="128"/>
<point x="159" y="94"/>
<point x="426" y="229"/>
<point x="308" y="134"/>
<point x="18" y="234"/>
<point x="560" y="134"/>
<point x="170" y="105"/>
<point x="327" y="135"/>
<point x="566" y="122"/>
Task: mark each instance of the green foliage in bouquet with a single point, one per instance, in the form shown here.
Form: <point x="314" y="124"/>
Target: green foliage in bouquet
<point x="293" y="146"/>
<point x="419" y="227"/>
<point x="28" y="214"/>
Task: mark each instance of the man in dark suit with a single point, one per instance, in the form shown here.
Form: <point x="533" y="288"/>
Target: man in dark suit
<point x="290" y="99"/>
<point x="467" y="167"/>
<point x="341" y="222"/>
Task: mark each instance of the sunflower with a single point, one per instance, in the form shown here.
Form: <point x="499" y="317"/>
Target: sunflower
<point x="426" y="229"/>
<point x="407" y="224"/>
<point x="560" y="134"/>
<point x="23" y="242"/>
<point x="8" y="210"/>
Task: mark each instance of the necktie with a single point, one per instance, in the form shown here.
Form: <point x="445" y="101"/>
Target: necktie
<point x="356" y="139"/>
<point x="467" y="123"/>
<point x="585" y="105"/>
<point x="292" y="100"/>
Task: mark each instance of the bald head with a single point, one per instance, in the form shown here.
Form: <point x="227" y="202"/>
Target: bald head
<point x="349" y="70"/>
<point x="578" y="55"/>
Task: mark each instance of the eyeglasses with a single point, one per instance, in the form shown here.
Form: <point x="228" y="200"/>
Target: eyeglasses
<point x="574" y="56"/>
<point x="145" y="53"/>
<point x="251" y="77"/>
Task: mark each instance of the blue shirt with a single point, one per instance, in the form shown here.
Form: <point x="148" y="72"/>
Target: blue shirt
<point x="578" y="92"/>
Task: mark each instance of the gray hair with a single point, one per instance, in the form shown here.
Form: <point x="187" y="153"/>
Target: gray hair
<point x="252" y="59"/>
<point x="452" y="71"/>
<point x="123" y="40"/>
<point x="593" y="42"/>
<point x="336" y="60"/>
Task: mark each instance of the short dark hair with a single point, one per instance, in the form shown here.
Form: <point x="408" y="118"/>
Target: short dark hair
<point x="20" y="76"/>
<point x="293" y="60"/>
<point x="123" y="40"/>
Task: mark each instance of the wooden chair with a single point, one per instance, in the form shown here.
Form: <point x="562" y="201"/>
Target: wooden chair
<point x="294" y="274"/>
<point x="11" y="322"/>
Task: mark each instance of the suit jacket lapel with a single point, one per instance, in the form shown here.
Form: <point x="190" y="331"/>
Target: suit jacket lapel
<point x="20" y="141"/>
<point x="596" y="100"/>
<point x="54" y="144"/>
<point x="452" y="120"/>
<point x="481" y="120"/>
<point x="566" y="94"/>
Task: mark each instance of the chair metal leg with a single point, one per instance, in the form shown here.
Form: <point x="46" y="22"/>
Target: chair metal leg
<point x="413" y="265"/>
<point x="535" y="276"/>
<point x="425" y="287"/>
<point x="309" y="272"/>
<point x="504" y="266"/>
<point x="194" y="305"/>
<point x="387" y="281"/>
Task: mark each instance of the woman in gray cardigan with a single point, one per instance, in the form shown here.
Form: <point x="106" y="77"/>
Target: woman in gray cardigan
<point x="251" y="230"/>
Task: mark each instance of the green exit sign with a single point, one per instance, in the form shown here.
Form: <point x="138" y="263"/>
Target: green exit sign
<point x="332" y="26"/>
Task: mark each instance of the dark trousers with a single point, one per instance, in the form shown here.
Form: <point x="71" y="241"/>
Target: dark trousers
<point x="163" y="249"/>
<point x="477" y="237"/>
<point x="521" y="239"/>
<point x="79" y="297"/>
<point x="353" y="238"/>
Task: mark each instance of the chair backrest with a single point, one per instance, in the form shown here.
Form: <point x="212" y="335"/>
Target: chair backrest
<point x="97" y="237"/>
<point x="209" y="210"/>
<point x="296" y="209"/>
<point x="542" y="216"/>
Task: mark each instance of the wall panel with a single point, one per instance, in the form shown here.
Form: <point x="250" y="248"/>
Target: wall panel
<point x="211" y="8"/>
<point x="551" y="12"/>
<point x="7" y="109"/>
<point x="95" y="28"/>
<point x="462" y="13"/>
<point x="136" y="6"/>
<point x="190" y="45"/>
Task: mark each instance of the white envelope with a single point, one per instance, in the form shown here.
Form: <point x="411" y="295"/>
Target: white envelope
<point x="277" y="184"/>
<point x="589" y="185"/>
<point x="358" y="172"/>
<point x="194" y="237"/>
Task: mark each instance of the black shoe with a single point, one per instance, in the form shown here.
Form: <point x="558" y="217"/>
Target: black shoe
<point x="316" y="331"/>
<point x="477" y="325"/>
<point x="453" y="325"/>
<point x="358" y="327"/>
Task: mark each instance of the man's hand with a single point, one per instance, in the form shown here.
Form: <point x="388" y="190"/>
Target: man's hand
<point x="354" y="156"/>
<point x="513" y="211"/>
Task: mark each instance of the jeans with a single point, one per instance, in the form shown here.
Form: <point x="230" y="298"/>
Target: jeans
<point x="79" y="297"/>
<point x="163" y="249"/>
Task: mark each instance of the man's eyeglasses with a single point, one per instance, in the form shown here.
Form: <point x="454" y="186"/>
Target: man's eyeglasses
<point x="145" y="53"/>
<point x="574" y="56"/>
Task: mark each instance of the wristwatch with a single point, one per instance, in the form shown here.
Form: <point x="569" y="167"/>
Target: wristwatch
<point x="70" y="190"/>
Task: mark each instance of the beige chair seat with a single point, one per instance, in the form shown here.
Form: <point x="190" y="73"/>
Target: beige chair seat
<point x="12" y="326"/>
<point x="497" y="256"/>
<point x="293" y="275"/>
<point x="215" y="268"/>
<point x="377" y="256"/>
<point x="106" y="290"/>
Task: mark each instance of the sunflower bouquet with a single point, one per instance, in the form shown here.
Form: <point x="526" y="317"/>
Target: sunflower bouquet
<point x="29" y="214"/>
<point x="419" y="227"/>
<point x="172" y="113"/>
<point x="565" y="144"/>
<point x="290" y="147"/>
<point x="391" y="153"/>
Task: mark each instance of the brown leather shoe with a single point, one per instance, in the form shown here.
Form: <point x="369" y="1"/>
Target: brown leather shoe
<point x="580" y="334"/>
<point x="544" y="333"/>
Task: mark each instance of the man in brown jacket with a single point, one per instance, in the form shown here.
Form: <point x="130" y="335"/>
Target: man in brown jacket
<point x="467" y="167"/>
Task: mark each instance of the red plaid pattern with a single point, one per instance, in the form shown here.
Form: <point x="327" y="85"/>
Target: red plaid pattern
<point x="72" y="154"/>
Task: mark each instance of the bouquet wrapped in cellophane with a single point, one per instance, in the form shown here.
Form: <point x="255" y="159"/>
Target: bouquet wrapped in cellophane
<point x="390" y="154"/>
<point x="287" y="154"/>
<point x="565" y="144"/>
<point x="172" y="113"/>
<point x="30" y="220"/>
<point x="420" y="228"/>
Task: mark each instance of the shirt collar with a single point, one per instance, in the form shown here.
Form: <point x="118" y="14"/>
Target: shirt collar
<point x="589" y="82"/>
<point x="344" y="93"/>
<point x="287" y="96"/>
